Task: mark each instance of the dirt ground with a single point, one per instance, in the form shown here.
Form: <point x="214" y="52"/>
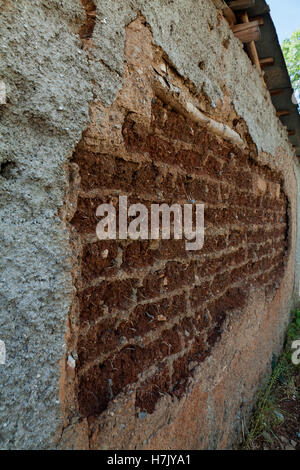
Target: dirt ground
<point x="283" y="435"/>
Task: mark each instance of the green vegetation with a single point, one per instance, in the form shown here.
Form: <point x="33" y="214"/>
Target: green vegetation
<point x="269" y="416"/>
<point x="291" y="51"/>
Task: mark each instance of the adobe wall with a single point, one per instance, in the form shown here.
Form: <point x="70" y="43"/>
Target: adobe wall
<point x="297" y="256"/>
<point x="170" y="346"/>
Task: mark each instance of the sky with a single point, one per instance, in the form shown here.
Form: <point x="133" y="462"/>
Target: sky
<point x="286" y="17"/>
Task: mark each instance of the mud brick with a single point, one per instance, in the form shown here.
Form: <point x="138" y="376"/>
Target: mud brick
<point x="181" y="161"/>
<point x="202" y="191"/>
<point x="85" y="220"/>
<point x="200" y="294"/>
<point x="135" y="135"/>
<point x="172" y="249"/>
<point x="138" y="254"/>
<point x="220" y="282"/>
<point x="98" y="258"/>
<point x="151" y="286"/>
<point x="213" y="243"/>
<point x="220" y="216"/>
<point x="201" y="140"/>
<point x="180" y="375"/>
<point x="202" y="320"/>
<point x="160" y="149"/>
<point x="144" y="178"/>
<point x="96" y="170"/>
<point x="212" y="167"/>
<point x="176" y="127"/>
<point x="102" y="338"/>
<point x="150" y="391"/>
<point x="208" y="267"/>
<point x="177" y="275"/>
<point x="189" y="160"/>
<point x="237" y="237"/>
<point x="113" y="295"/>
<point x="187" y="330"/>
<point x="124" y="175"/>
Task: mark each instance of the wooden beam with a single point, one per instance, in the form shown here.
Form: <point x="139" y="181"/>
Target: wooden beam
<point x="252" y="51"/>
<point x="267" y="61"/>
<point x="251" y="47"/>
<point x="247" y="32"/>
<point x="284" y="112"/>
<point x="259" y="19"/>
<point x="245" y="25"/>
<point x="275" y="92"/>
<point x="290" y="133"/>
<point x="248" y="35"/>
<point x="241" y="4"/>
<point x="229" y="15"/>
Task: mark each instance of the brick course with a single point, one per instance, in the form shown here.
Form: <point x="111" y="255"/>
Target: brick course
<point x="150" y="310"/>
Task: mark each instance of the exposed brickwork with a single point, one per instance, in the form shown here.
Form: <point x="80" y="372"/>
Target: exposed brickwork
<point x="150" y="311"/>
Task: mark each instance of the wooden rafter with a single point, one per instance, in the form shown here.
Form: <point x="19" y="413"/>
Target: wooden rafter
<point x="245" y="25"/>
<point x="251" y="48"/>
<point x="277" y="91"/>
<point x="283" y="112"/>
<point x="267" y="61"/>
<point x="247" y="32"/>
<point x="236" y="5"/>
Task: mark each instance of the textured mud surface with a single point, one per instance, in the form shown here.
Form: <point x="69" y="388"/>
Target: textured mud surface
<point x="121" y="298"/>
<point x="147" y="313"/>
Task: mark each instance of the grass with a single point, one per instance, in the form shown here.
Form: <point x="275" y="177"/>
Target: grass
<point x="268" y="415"/>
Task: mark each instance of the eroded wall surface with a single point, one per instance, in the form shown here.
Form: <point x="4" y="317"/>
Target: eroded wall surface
<point x="169" y="346"/>
<point x="297" y="255"/>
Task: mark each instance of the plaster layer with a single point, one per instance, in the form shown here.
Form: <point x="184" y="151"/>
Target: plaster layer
<point x="191" y="34"/>
<point x="48" y="92"/>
